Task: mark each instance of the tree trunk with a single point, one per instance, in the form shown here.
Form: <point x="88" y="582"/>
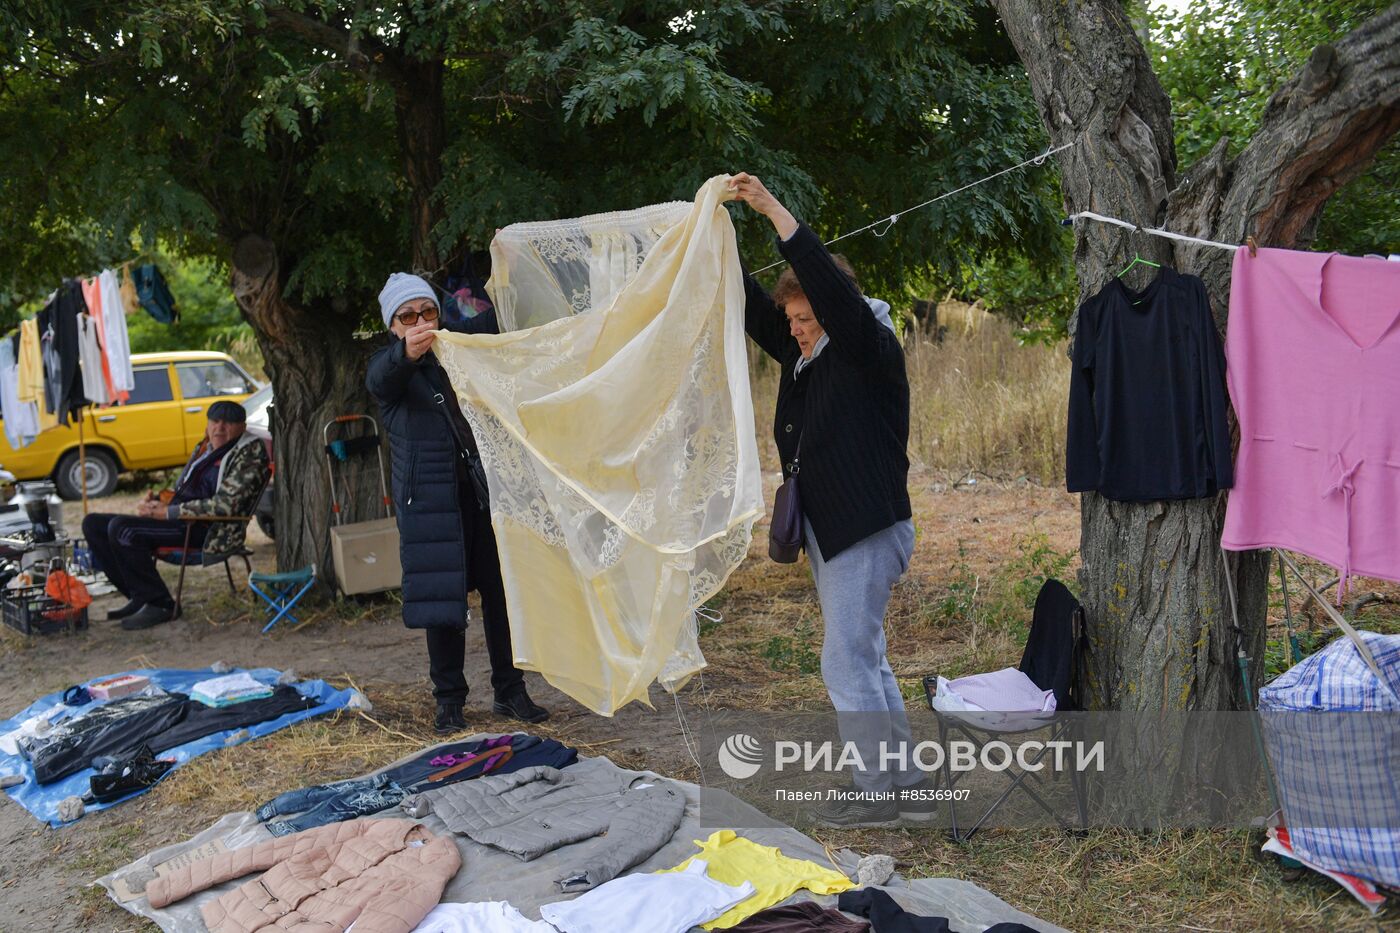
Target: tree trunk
<point x="318" y="372"/>
<point x="1153" y="581"/>
<point x="419" y="114"/>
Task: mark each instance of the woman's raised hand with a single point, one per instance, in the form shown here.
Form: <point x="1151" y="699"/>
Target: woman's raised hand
<point x="749" y="189"/>
<point x="418" y="339"/>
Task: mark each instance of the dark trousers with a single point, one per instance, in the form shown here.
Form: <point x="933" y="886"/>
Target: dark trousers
<point x="447" y="648"/>
<point x="124" y="546"/>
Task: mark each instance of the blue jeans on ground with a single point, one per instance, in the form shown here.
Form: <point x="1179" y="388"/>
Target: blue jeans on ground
<point x="329" y="803"/>
<point x="854" y="589"/>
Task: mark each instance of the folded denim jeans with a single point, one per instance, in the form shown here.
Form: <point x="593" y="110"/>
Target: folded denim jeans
<point x="323" y="804"/>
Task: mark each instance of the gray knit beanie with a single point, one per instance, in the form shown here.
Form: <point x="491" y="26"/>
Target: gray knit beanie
<point x="403" y="287"/>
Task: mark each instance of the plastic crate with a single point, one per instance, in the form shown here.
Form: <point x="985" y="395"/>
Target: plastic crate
<point x="30" y="611"/>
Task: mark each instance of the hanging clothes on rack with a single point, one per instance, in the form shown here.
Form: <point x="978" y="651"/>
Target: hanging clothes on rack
<point x="29" y="367"/>
<point x="116" y="342"/>
<point x="1314" y="372"/>
<point x="131" y="302"/>
<point x="103" y="386"/>
<point x="155" y="295"/>
<point x="58" y="323"/>
<point x="21" y="418"/>
<point x="91" y="361"/>
<point x="30" y="362"/>
<point x="1147" y="412"/>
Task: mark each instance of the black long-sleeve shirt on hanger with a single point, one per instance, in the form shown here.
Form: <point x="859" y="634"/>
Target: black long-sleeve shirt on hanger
<point x="1147" y="398"/>
<point x="64" y="378"/>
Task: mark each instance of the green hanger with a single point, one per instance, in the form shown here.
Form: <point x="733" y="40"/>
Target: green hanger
<point x="1138" y="259"/>
<point x="1146" y="262"/>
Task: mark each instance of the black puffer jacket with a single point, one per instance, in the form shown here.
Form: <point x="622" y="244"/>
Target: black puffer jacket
<point x="425" y="480"/>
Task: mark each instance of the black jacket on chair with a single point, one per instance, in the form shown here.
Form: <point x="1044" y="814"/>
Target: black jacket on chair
<point x="426" y="482"/>
<point x="849" y="406"/>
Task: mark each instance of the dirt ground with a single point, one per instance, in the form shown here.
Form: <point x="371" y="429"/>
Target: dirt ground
<point x="982" y="547"/>
<point x="42" y="870"/>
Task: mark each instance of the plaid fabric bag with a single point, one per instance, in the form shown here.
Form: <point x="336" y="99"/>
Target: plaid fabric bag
<point x="1333" y="735"/>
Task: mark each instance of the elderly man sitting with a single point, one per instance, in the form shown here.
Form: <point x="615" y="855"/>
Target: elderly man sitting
<point x="224" y="476"/>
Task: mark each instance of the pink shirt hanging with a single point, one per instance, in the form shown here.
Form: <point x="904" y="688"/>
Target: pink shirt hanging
<point x="1313" y="366"/>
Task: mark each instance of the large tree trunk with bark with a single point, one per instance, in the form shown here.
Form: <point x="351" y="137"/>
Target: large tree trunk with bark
<point x="318" y="373"/>
<point x="317" y="366"/>
<point x="1153" y="580"/>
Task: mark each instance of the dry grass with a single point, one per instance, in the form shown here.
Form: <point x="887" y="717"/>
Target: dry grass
<point x="983" y="402"/>
<point x="978" y="402"/>
<point x="1120" y="880"/>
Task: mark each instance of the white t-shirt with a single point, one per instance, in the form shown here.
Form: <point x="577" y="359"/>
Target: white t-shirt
<point x="480" y="917"/>
<point x="666" y="903"/>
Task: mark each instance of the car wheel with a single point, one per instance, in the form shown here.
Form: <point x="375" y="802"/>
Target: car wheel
<point x="101" y="476"/>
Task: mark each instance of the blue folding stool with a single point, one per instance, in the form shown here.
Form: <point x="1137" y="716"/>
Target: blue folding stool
<point x="286" y="589"/>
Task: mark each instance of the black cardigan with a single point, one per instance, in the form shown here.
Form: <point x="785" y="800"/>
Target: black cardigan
<point x="850" y="406"/>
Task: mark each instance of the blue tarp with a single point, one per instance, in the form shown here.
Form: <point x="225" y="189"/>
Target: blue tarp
<point x="42" y="801"/>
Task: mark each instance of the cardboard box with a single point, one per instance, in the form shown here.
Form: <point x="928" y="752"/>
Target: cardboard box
<point x="119" y="687"/>
<point x="366" y="556"/>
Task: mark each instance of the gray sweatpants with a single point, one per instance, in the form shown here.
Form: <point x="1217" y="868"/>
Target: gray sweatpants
<point x="854" y="589"/>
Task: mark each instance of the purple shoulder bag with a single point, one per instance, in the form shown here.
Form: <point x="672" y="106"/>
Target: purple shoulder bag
<point x="785" y="531"/>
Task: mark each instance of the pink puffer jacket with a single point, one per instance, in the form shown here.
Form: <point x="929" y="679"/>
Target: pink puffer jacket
<point x="382" y="875"/>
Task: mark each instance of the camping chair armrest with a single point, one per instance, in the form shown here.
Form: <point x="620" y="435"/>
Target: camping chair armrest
<point x="215" y="518"/>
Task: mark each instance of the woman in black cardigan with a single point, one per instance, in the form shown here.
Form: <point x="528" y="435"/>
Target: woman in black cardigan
<point x="843" y="417"/>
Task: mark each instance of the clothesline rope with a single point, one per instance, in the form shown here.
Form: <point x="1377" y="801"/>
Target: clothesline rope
<point x="891" y="220"/>
<point x="1154" y="231"/>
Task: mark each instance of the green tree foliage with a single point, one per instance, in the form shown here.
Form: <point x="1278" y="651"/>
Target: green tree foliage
<point x="195" y="122"/>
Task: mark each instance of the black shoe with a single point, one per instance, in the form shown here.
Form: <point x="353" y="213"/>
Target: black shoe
<point x="917" y="802"/>
<point x="122" y="776"/>
<point x="148" y="617"/>
<point x="449" y="719"/>
<point x="130" y="609"/>
<point x="857" y="808"/>
<point x="518" y="705"/>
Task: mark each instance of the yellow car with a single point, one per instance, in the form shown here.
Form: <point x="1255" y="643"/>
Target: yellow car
<point x="157" y="428"/>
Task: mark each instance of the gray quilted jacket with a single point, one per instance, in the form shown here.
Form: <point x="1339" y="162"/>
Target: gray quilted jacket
<point x="537" y="810"/>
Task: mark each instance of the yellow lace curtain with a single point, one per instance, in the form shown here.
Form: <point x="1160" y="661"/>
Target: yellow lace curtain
<point x="618" y="442"/>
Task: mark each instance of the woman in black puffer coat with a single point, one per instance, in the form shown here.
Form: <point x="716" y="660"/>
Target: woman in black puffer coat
<point x="446" y="542"/>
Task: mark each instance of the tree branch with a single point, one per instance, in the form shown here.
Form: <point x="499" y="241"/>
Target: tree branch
<point x="1319" y="131"/>
<point x="358" y="51"/>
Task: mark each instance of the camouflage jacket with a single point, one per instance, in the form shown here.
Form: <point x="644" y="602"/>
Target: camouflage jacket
<point x="242" y="476"/>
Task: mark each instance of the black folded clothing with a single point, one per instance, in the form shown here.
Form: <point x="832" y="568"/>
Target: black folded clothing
<point x="102" y="730"/>
<point x="161" y="720"/>
<point x="200" y="720"/>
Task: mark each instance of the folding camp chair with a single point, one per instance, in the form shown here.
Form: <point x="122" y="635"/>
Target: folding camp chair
<point x="1052" y="657"/>
<point x="189" y="555"/>
<point x="286" y="590"/>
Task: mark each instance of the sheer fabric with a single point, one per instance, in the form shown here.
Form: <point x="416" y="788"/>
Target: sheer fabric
<point x="619" y="444"/>
<point x="544" y="271"/>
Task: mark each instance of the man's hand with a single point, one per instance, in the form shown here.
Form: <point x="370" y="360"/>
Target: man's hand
<point x="753" y="193"/>
<point x="418" y="339"/>
<point x="151" y="508"/>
